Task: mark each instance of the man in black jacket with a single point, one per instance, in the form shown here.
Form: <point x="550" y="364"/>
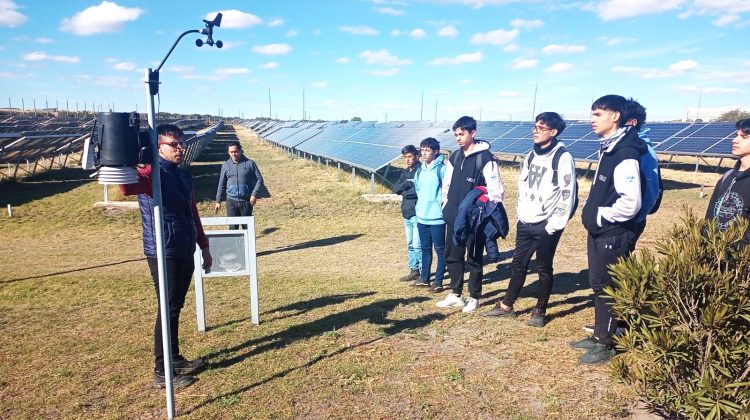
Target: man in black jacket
<point x="609" y="215"/>
<point x="405" y="187"/>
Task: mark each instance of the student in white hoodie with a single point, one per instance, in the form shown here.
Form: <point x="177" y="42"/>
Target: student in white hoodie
<point x="545" y="203"/>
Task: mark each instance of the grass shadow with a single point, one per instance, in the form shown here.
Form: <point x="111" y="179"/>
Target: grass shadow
<point x="312" y="244"/>
<point x="39" y="276"/>
<point x="17" y="192"/>
<point x="565" y="284"/>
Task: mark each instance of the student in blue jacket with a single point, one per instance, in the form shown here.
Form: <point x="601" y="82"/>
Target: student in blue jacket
<point x="429" y="182"/>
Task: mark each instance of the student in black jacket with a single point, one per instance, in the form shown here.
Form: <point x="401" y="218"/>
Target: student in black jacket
<point x="609" y="215"/>
<point x="731" y="197"/>
<point x="405" y="187"/>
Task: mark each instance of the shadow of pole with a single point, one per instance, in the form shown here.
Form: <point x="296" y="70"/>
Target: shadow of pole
<point x="71" y="271"/>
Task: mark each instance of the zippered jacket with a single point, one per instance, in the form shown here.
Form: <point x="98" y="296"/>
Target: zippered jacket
<point x="428" y="182"/>
<point x="405" y="187"/>
<point x="615" y="196"/>
<point x="182" y="224"/>
<point x="239" y="181"/>
<point x="478" y="213"/>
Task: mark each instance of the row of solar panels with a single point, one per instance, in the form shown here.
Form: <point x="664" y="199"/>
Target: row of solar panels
<point x="371" y="146"/>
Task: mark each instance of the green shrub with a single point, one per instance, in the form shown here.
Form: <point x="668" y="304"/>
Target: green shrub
<point x="687" y="351"/>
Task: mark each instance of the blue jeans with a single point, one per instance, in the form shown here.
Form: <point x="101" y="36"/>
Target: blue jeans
<point x="413" y="246"/>
<point x="431" y="235"/>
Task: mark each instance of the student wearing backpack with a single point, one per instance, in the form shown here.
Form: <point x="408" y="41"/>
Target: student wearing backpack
<point x="609" y="216"/>
<point x="547" y="198"/>
<point x="731" y="197"/>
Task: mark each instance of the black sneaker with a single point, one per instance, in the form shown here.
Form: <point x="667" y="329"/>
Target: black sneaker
<point x="178" y="381"/>
<point x="436" y="288"/>
<point x="183" y="366"/>
<point x="498" y="312"/>
<point x="413" y="275"/>
<point x="585" y="344"/>
<point x="598" y="354"/>
<point x="538" y="318"/>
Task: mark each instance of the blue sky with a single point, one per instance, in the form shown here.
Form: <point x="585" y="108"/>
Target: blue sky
<point x="376" y="59"/>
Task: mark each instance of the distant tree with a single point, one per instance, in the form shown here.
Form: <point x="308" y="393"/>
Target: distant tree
<point x="356" y="119"/>
<point x="733" y="115"/>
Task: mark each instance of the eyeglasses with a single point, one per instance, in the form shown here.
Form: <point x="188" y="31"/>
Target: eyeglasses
<point x="174" y="144"/>
<point x="538" y="128"/>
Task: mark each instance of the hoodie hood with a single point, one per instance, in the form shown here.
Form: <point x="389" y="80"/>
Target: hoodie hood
<point x="479" y="146"/>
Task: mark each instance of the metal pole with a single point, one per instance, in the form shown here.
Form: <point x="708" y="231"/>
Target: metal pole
<point x="161" y="262"/>
<point x="372" y="183"/>
<point x="353" y="175"/>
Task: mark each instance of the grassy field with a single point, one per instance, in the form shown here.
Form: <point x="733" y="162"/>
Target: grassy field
<point x="339" y="337"/>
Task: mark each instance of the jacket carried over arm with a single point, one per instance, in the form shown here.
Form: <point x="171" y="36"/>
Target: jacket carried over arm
<point x="239" y="181"/>
<point x="182" y="223"/>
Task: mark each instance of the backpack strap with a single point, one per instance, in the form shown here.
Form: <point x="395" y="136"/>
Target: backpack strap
<point x="556" y="163"/>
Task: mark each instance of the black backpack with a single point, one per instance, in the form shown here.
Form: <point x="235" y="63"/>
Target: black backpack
<point x="555" y="164"/>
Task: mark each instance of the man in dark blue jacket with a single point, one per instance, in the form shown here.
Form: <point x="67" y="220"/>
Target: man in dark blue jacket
<point x="240" y="183"/>
<point x="405" y="187"/>
<point x="609" y="215"/>
<point x="182" y="230"/>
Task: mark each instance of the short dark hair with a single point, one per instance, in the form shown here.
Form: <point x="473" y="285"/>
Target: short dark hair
<point x="234" y="143"/>
<point x="430" y="143"/>
<point x="169" y="130"/>
<point x="743" y="126"/>
<point x="552" y="120"/>
<point x="614" y="103"/>
<point x="634" y="111"/>
<point x="467" y="123"/>
<point x="409" y="148"/>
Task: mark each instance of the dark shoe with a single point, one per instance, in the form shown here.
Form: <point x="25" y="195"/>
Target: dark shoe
<point x="492" y="259"/>
<point x="413" y="275"/>
<point x="538" y="318"/>
<point x="178" y="381"/>
<point x="498" y="312"/>
<point x="420" y="283"/>
<point x="598" y="354"/>
<point x="436" y="288"/>
<point x="183" y="366"/>
<point x="585" y="344"/>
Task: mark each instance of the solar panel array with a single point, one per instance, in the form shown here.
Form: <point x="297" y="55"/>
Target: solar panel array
<point x="371" y="146"/>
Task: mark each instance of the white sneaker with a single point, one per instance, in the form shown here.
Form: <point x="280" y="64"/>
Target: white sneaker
<point x="471" y="305"/>
<point x="452" y="300"/>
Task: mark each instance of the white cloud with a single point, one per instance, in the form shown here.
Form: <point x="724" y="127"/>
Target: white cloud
<point x="320" y="84"/>
<point x="526" y="24"/>
<point x="272" y="49"/>
<point x="459" y="59"/>
<point x="275" y="23"/>
<point x="389" y="11"/>
<point x="725" y="20"/>
<point x="722" y="6"/>
<point x="235" y="19"/>
<point x="359" y="30"/>
<point x="417" y="33"/>
<point x="228" y="45"/>
<point x="395" y="32"/>
<point x="9" y="16"/>
<point x="106" y="17"/>
<point x="383" y="58"/>
<point x="448" y="32"/>
<point x="621" y="9"/>
<point x="559" y="67"/>
<point x="563" y="49"/>
<point x="511" y="48"/>
<point x="124" y="66"/>
<point x="112" y="81"/>
<point x="524" y="63"/>
<point x="384" y="72"/>
<point x="269" y="65"/>
<point x="710" y="90"/>
<point x="291" y="33"/>
<point x="43" y="40"/>
<point x="508" y="94"/>
<point x="616" y="40"/>
<point x="180" y="69"/>
<point x="343" y="60"/>
<point x="42" y="56"/>
<point x="231" y="71"/>
<point x="496" y="37"/>
<point x="684" y="65"/>
<point x="464" y="81"/>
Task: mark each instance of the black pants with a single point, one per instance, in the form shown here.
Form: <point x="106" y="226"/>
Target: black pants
<point x="238" y="208"/>
<point x="603" y="251"/>
<point x="179" y="274"/>
<point x="457" y="258"/>
<point x="531" y="238"/>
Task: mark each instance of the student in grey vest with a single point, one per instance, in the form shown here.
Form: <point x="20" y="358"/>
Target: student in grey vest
<point x="546" y="200"/>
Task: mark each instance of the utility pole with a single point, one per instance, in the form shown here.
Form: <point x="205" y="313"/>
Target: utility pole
<point x="304" y="112"/>
<point x="436" y="102"/>
<point x="533" y="109"/>
<point x="421" y="108"/>
<point x="270" y="114"/>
